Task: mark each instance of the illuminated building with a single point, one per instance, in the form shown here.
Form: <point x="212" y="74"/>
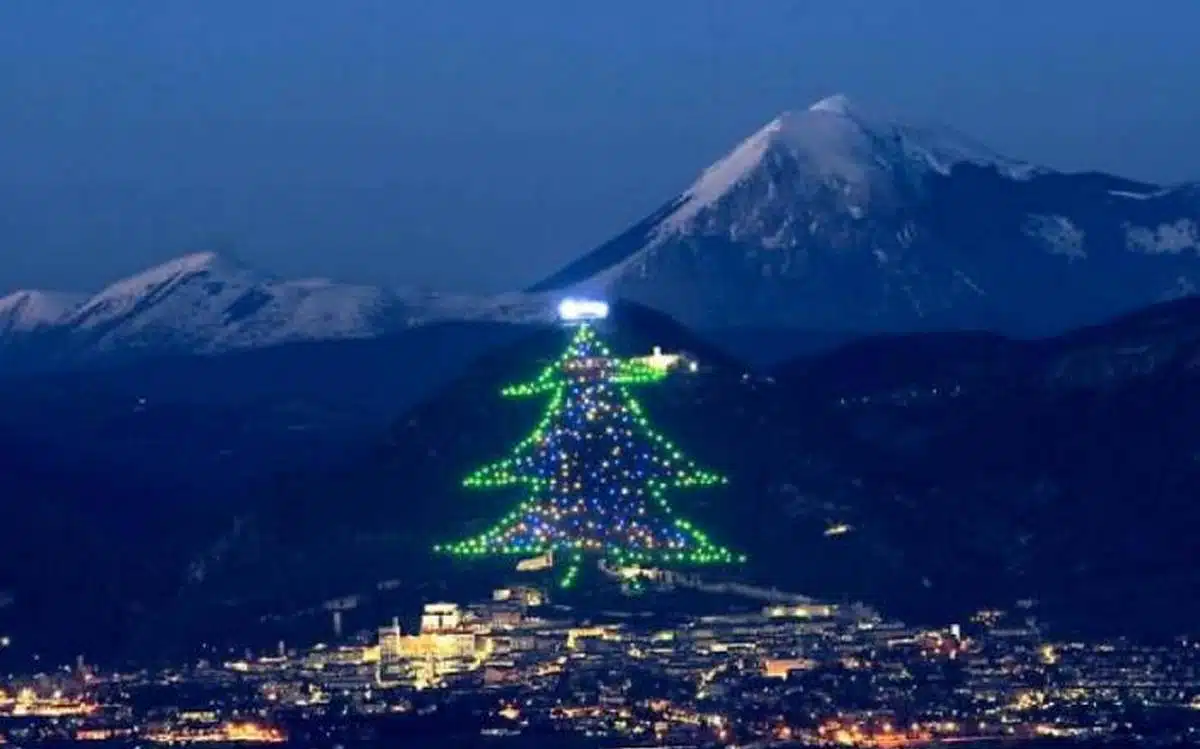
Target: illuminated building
<point x="441" y="617"/>
<point x="100" y="734"/>
<point x="779" y="668"/>
<point x="660" y="361"/>
<point x="28" y="703"/>
<point x="224" y="733"/>
<point x="344" y="668"/>
<point x="802" y="611"/>
<point x="444" y="647"/>
<point x="536" y="564"/>
<point x="448" y="646"/>
<point x="523" y="595"/>
<point x="575" y="635"/>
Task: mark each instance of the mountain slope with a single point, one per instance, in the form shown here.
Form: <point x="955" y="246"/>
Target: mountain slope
<point x="973" y="470"/>
<point x="828" y="220"/>
<point x="404" y="493"/>
<point x="1019" y="458"/>
<point x="210" y="447"/>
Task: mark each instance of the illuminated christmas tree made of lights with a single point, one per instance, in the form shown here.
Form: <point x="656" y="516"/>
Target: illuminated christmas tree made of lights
<point x="595" y="473"/>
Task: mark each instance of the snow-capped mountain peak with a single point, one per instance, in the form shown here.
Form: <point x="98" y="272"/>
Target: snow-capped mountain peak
<point x="28" y="310"/>
<point x="832" y="218"/>
<point x="194" y="262"/>
<point x="878" y="139"/>
<point x="834" y="145"/>
<point x="180" y="292"/>
<point x="183" y="266"/>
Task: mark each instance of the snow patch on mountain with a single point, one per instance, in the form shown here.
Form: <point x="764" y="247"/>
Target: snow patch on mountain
<point x="28" y="310"/>
<point x="1165" y="239"/>
<point x="1139" y="195"/>
<point x="1058" y="234"/>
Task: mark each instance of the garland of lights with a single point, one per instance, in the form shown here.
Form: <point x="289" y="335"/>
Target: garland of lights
<point x="594" y="471"/>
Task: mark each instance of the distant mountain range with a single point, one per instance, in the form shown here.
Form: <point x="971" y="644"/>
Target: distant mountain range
<point x="205" y="303"/>
<point x="827" y="221"/>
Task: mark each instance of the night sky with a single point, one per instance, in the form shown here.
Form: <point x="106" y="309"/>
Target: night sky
<point x="478" y="144"/>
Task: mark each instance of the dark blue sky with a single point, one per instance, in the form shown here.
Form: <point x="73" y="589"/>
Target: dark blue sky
<point x="479" y="144"/>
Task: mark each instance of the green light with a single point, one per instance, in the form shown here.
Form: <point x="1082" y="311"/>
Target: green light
<point x="594" y="471"/>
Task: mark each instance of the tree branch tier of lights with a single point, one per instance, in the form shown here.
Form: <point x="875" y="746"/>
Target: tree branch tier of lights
<point x="594" y="471"/>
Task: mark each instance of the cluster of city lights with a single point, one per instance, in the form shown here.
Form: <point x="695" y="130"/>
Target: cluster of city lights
<point x="595" y="472"/>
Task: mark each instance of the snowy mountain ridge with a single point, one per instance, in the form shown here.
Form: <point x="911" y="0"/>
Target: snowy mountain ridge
<point x="826" y="220"/>
<point x="25" y="311"/>
<point x="831" y="220"/>
<point x="205" y="303"/>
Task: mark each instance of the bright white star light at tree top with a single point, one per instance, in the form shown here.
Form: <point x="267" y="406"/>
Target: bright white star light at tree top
<point x="580" y="310"/>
